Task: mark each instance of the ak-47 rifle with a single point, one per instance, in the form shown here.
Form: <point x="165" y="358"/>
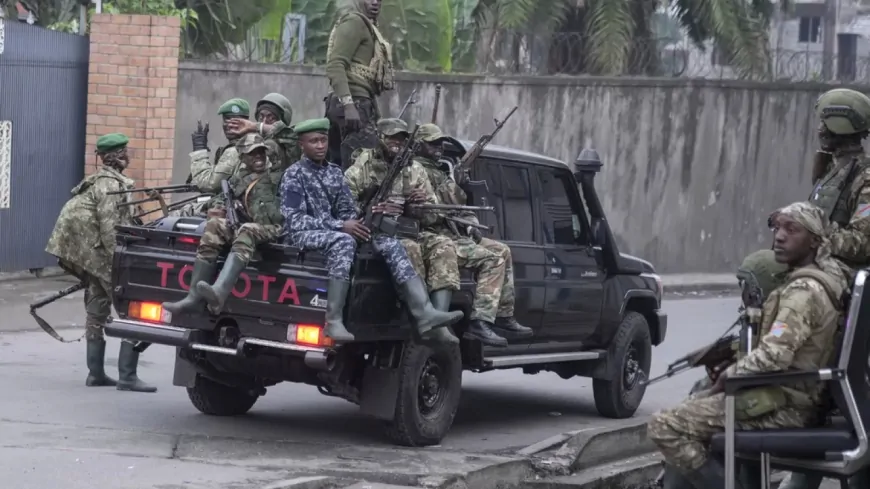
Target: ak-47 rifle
<point x="452" y="208"/>
<point x="437" y="103"/>
<point x="481" y="143"/>
<point x="412" y="99"/>
<point x="380" y="222"/>
<point x="710" y="356"/>
<point x="155" y="194"/>
<point x="48" y="300"/>
<point x="230" y="204"/>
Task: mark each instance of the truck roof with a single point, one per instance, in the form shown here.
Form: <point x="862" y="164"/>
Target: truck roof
<point x="502" y="152"/>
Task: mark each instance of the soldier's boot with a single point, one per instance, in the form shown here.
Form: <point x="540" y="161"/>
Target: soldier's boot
<point x="128" y="380"/>
<point x="481" y="331"/>
<point x="711" y="475"/>
<point x="203" y="271"/>
<point x="96" y="356"/>
<point x="509" y="327"/>
<point x="440" y="300"/>
<point x="801" y="481"/>
<point x="336" y="297"/>
<point x="426" y="317"/>
<point x="216" y="295"/>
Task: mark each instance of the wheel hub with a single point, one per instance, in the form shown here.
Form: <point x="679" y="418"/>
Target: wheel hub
<point x="632" y="371"/>
<point x="431" y="388"/>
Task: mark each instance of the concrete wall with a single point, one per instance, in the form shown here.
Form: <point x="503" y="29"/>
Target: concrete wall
<point x="692" y="168"/>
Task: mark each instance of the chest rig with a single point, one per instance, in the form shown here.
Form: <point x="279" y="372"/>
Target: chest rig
<point x="832" y="194"/>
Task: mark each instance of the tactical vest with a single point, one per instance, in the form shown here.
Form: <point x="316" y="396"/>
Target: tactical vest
<point x="257" y="192"/>
<point x="379" y="72"/>
<point x="832" y="194"/>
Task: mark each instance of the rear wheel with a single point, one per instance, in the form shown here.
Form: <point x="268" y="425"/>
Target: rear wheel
<point x="430" y="384"/>
<point x="631" y="352"/>
<point x="215" y="399"/>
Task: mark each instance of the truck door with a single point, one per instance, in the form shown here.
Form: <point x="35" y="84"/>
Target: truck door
<point x="514" y="224"/>
<point x="575" y="281"/>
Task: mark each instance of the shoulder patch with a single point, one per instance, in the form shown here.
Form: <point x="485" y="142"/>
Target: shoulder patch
<point x="862" y="212"/>
<point x="778" y="329"/>
<point x="292" y="199"/>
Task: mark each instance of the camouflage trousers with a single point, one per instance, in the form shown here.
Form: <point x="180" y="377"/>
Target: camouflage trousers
<point x="506" y="300"/>
<point x="189" y="210"/>
<point x="490" y="270"/>
<point x="245" y="239"/>
<point x="340" y="250"/>
<point x="98" y="307"/>
<point x="683" y="433"/>
<point x="434" y="257"/>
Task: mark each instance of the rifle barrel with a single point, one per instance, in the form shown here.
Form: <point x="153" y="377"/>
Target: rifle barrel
<point x="165" y="189"/>
<point x="449" y="207"/>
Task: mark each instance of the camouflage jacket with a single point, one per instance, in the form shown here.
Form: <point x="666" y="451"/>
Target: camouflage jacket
<point x="258" y="195"/>
<point x="208" y="177"/>
<point x="283" y="146"/>
<point x="369" y="170"/>
<point x="84" y="234"/>
<point x="446" y="192"/>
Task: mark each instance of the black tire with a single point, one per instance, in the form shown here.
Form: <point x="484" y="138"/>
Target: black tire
<point x="423" y="417"/>
<point x="215" y="399"/>
<point x="631" y="353"/>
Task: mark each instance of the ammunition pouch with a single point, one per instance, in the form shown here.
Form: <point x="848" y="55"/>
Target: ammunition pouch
<point x="759" y="402"/>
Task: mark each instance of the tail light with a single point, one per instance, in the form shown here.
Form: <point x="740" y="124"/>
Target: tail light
<point x="308" y="334"/>
<point x="189" y="240"/>
<point x="145" y="311"/>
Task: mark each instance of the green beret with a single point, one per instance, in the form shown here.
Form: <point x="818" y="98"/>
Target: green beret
<point x="235" y="107"/>
<point x="312" y="125"/>
<point x="111" y="142"/>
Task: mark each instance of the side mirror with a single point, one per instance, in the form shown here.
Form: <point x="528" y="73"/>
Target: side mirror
<point x="587" y="162"/>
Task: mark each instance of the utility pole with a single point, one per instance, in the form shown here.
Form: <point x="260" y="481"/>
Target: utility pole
<point x="829" y="39"/>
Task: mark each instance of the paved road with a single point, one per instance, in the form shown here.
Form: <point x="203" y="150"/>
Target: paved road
<point x="45" y="402"/>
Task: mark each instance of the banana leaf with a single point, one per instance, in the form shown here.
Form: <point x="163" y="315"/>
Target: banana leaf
<point x="420" y="32"/>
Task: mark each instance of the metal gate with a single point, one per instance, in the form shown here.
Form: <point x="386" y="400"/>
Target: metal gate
<point x="43" y="116"/>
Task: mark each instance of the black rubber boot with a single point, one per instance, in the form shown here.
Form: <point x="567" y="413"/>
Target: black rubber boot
<point x="203" y="271"/>
<point x="128" y="359"/>
<point x="440" y="300"/>
<point x="96" y="355"/>
<point x="711" y="475"/>
<point x="336" y="297"/>
<point x="482" y="332"/>
<point x="427" y="317"/>
<point x="216" y="295"/>
<point x="510" y="328"/>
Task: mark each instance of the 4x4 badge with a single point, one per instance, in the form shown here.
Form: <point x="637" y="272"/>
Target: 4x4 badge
<point x="316" y="301"/>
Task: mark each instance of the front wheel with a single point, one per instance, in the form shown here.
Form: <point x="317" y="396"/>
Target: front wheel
<point x="216" y="399"/>
<point x="430" y="384"/>
<point x="631" y="351"/>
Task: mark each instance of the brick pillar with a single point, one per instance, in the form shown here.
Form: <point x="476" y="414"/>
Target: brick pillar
<point x="132" y="83"/>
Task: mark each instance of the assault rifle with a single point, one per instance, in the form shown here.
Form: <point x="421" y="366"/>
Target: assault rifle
<point x="388" y="224"/>
<point x="156" y="194"/>
<point x="451" y="208"/>
<point x="481" y="143"/>
<point x="48" y="300"/>
<point x="709" y="356"/>
<point x="437" y="103"/>
<point x="412" y="99"/>
<point x="229" y="204"/>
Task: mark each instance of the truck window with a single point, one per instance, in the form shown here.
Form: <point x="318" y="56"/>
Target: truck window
<point x="562" y="225"/>
<point x="489" y="172"/>
<point x="517" y="205"/>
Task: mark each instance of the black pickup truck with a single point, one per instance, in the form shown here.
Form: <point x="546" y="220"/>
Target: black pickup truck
<point x="595" y="312"/>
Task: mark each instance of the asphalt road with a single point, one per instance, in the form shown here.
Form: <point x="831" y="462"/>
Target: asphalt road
<point x="45" y="402"/>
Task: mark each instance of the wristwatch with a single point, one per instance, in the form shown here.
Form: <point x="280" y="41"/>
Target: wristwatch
<point x="346" y="100"/>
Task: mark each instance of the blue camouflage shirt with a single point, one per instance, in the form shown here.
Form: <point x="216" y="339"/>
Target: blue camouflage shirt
<point x="315" y="197"/>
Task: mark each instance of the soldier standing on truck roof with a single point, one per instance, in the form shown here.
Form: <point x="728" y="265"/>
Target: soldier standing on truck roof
<point x="432" y="255"/>
<point x="359" y="65"/>
<point x="255" y="190"/>
<point x="493" y="314"/>
<point x="320" y="215"/>
<point x="274" y="115"/>
<point x="83" y="240"/>
<point x="207" y="176"/>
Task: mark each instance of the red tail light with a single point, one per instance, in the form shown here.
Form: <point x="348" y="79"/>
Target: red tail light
<point x="145" y="311"/>
<point x="310" y="334"/>
<point x="189" y="240"/>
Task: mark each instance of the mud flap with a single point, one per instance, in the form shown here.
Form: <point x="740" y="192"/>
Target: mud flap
<point x="185" y="372"/>
<point x="379" y="393"/>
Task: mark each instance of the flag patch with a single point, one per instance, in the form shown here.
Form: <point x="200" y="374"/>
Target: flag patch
<point x="778" y="328"/>
<point x="862" y="212"/>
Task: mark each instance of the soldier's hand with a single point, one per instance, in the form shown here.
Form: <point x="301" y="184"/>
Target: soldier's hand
<point x="417" y="196"/>
<point x="357" y="230"/>
<point x="475" y="234"/>
<point x="388" y="208"/>
<point x="462" y="176"/>
<point x="352" y="120"/>
<point x="200" y="137"/>
<point x="715" y="371"/>
<point x="239" y="127"/>
<point x="218" y="212"/>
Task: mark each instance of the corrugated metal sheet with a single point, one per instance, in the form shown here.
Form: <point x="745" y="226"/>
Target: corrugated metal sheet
<point x="43" y="93"/>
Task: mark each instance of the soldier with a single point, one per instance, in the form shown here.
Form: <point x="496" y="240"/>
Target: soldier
<point x="798" y="328"/>
<point x="207" y="176"/>
<point x="274" y="115"/>
<point x="494" y="303"/>
<point x="256" y="191"/>
<point x="431" y="252"/>
<point x="359" y="65"/>
<point x="83" y="240"/>
<point x="320" y="215"/>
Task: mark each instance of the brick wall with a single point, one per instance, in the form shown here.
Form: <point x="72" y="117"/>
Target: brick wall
<point x="132" y="85"/>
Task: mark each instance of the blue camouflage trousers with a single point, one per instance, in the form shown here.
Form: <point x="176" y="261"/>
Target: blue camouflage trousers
<point x="340" y="249"/>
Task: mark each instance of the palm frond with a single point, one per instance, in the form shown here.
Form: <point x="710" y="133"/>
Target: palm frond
<point x="609" y="31"/>
<point x="741" y="35"/>
<point x="695" y="16"/>
<point x="514" y="14"/>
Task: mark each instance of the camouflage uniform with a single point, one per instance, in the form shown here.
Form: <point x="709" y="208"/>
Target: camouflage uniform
<point x="359" y="66"/>
<point x="256" y="191"/>
<point x="315" y="203"/>
<point x="207" y="176"/>
<point x="281" y="140"/>
<point x="83" y="240"/>
<point x="798" y="328"/>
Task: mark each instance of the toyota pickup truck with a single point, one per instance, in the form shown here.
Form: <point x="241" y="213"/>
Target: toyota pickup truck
<point x="595" y="312"/>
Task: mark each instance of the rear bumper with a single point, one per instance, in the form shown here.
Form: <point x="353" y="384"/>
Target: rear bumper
<point x="162" y="334"/>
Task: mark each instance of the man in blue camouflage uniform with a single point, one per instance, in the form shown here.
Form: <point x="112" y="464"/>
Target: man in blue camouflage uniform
<point x="319" y="214"/>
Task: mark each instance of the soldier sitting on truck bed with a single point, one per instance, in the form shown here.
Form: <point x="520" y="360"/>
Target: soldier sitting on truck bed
<point x="274" y="116"/>
<point x="432" y="255"/>
<point x="255" y="198"/>
<point x="207" y="176"/>
<point x="320" y="215"/>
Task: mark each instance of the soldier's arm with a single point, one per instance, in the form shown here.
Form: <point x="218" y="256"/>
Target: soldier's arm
<point x="348" y="36"/>
<point x="852" y="242"/>
<point x="345" y="206"/>
<point x="270" y="131"/>
<point x="355" y="185"/>
<point x="108" y="213"/>
<point x="208" y="178"/>
<point x="797" y="313"/>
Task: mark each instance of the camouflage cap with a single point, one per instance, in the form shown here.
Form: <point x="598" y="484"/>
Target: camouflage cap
<point x="393" y="126"/>
<point x="250" y="142"/>
<point x="763" y="268"/>
<point x="235" y="107"/>
<point x="429" y="133"/>
<point x="111" y="142"/>
<point x="808" y="215"/>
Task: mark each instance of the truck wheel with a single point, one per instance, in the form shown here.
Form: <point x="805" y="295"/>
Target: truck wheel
<point x="215" y="399"/>
<point x="430" y="383"/>
<point x="631" y="352"/>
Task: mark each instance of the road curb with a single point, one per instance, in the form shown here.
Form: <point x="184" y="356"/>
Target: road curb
<point x="38" y="273"/>
<point x="632" y="473"/>
<point x="703" y="288"/>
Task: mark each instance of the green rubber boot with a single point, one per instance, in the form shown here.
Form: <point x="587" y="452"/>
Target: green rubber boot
<point x="128" y="360"/>
<point x="216" y="295"/>
<point x="426" y="317"/>
<point x="336" y="297"/>
<point x="440" y="300"/>
<point x="203" y="271"/>
<point x="96" y="355"/>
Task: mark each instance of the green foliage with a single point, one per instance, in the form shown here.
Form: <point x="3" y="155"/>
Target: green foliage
<point x="221" y="24"/>
<point x="420" y="33"/>
<point x="320" y="16"/>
